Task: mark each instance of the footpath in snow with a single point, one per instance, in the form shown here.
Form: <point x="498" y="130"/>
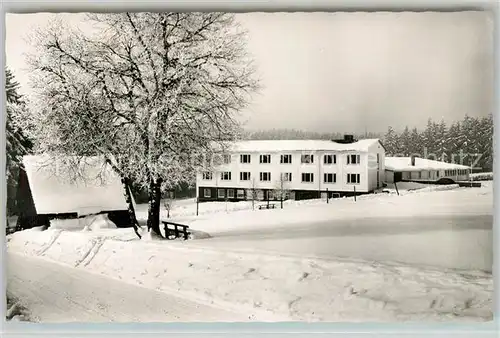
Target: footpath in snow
<point x="268" y="287"/>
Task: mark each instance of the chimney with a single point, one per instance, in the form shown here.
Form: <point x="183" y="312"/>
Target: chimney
<point x="349" y="138"/>
<point x="412" y="160"/>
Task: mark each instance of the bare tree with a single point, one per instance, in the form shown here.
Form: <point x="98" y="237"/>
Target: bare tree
<point x="253" y="192"/>
<point x="168" y="202"/>
<point x="147" y="91"/>
<point x="282" y="189"/>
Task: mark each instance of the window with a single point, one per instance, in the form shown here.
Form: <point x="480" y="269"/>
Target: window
<point x="259" y="195"/>
<point x="265" y="176"/>
<point x="286" y="177"/>
<point x="265" y="159"/>
<point x="244" y="176"/>
<point x="437" y="174"/>
<point x="240" y="193"/>
<point x="270" y="195"/>
<point x="207" y="193"/>
<point x="330" y="159"/>
<point x="245" y="158"/>
<point x="225" y="176"/>
<point x="230" y="193"/>
<point x="330" y="178"/>
<point x="307" y="177"/>
<point x="226" y="159"/>
<point x="353" y="159"/>
<point x="307" y="159"/>
<point x="207" y="175"/>
<point x="221" y="193"/>
<point x="353" y="178"/>
<point x="286" y="159"/>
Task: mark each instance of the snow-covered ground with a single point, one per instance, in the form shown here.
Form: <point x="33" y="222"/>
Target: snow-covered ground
<point x="277" y="287"/>
<point x="414" y="200"/>
<point x="264" y="287"/>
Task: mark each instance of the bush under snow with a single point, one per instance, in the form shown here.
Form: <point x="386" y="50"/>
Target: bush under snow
<point x="482" y="176"/>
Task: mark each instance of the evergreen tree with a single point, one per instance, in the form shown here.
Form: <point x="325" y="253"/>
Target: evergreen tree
<point x="440" y="132"/>
<point x="405" y="142"/>
<point x="454" y="141"/>
<point x="428" y="140"/>
<point x="485" y="142"/>
<point x="391" y="142"/>
<point x="17" y="144"/>
<point x="415" y="146"/>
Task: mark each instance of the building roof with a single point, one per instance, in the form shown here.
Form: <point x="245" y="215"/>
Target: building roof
<point x="56" y="190"/>
<point x="404" y="164"/>
<point x="300" y="145"/>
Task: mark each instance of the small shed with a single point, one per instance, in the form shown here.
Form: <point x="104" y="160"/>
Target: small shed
<point x="61" y="188"/>
<point x="423" y="170"/>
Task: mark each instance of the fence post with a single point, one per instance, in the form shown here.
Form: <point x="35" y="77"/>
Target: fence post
<point x="197" y="205"/>
<point x="327" y="195"/>
<point x="354" y="193"/>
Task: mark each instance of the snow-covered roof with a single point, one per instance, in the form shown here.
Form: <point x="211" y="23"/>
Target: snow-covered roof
<point x="56" y="189"/>
<point x="300" y="145"/>
<point x="404" y="164"/>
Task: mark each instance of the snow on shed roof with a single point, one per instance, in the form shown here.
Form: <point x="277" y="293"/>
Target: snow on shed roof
<point x="300" y="145"/>
<point x="404" y="164"/>
<point x="56" y="189"/>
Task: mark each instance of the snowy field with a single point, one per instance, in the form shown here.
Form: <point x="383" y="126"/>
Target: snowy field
<point x="272" y="287"/>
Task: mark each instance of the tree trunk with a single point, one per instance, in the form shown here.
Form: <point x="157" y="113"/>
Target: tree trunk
<point x="131" y="209"/>
<point x="128" y="198"/>
<point x="154" y="201"/>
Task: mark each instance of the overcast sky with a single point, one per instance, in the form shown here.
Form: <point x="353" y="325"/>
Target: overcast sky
<point x="344" y="72"/>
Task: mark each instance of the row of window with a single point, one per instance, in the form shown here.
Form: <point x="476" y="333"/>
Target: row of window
<point x="221" y="193"/>
<point x="240" y="194"/>
<point x="455" y="172"/>
<point x="286" y="177"/>
<point x="287" y="159"/>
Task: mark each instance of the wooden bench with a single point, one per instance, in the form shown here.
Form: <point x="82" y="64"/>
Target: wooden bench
<point x="267" y="206"/>
<point x="176" y="229"/>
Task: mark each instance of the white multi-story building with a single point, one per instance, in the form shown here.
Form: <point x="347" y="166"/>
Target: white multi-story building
<point x="300" y="168"/>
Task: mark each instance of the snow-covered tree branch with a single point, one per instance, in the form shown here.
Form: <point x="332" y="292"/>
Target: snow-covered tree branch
<point x="148" y="91"/>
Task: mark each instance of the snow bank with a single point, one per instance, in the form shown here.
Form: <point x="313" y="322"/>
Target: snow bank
<point x="87" y="223"/>
<point x="32" y="241"/>
<point x="270" y="286"/>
